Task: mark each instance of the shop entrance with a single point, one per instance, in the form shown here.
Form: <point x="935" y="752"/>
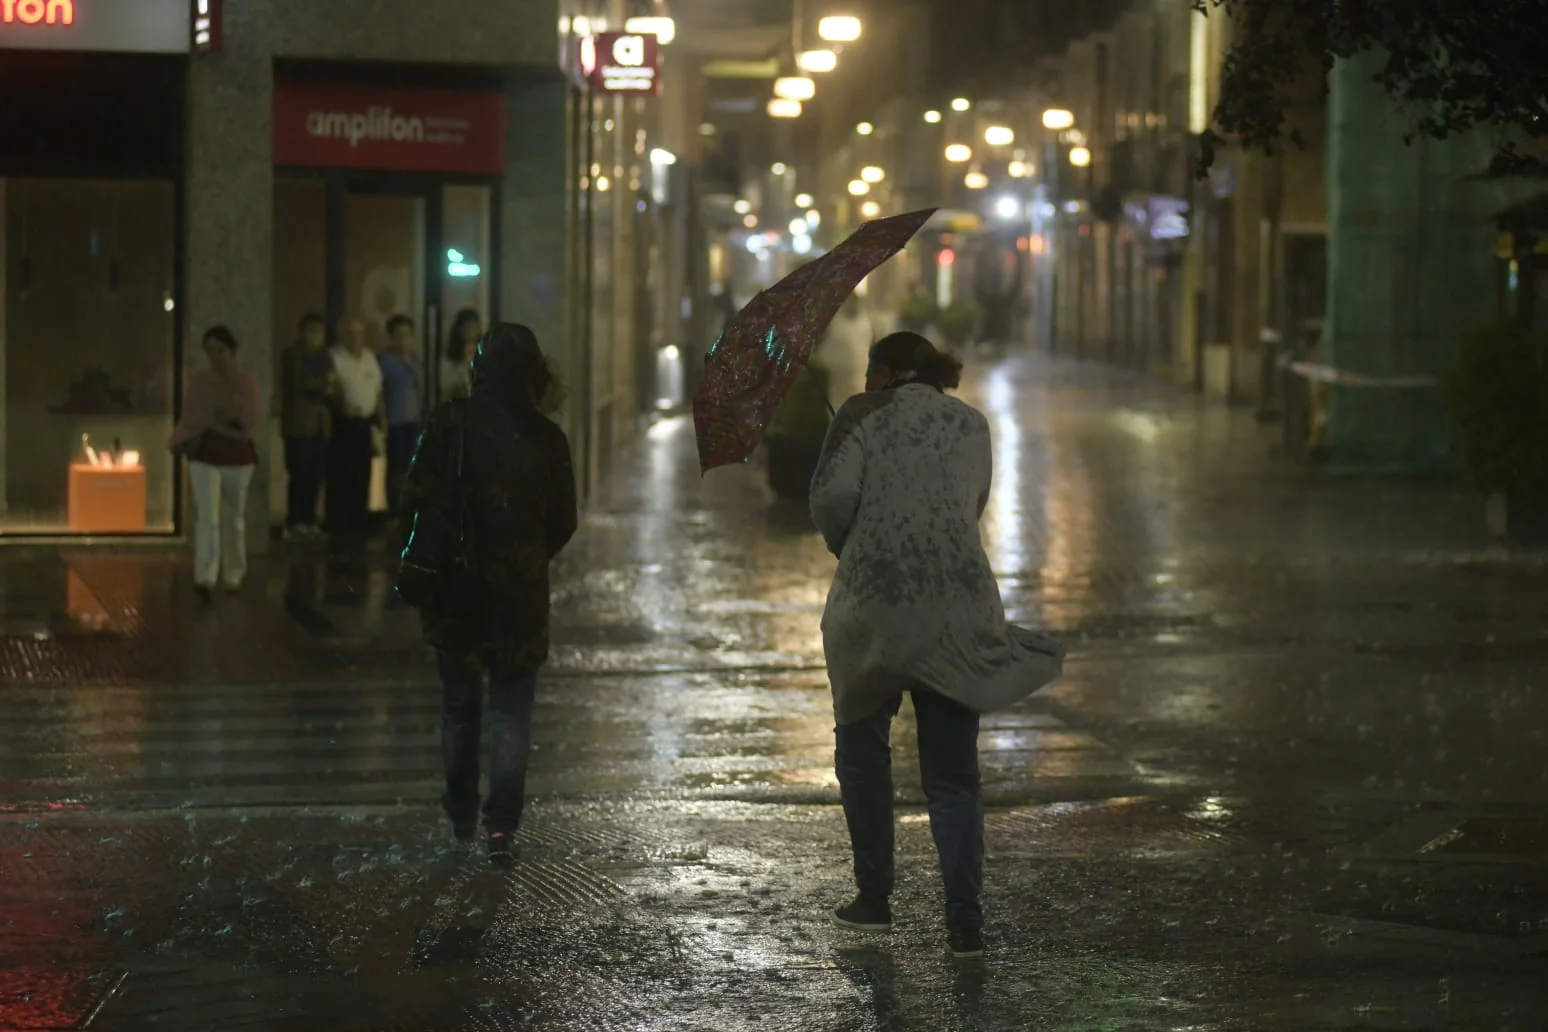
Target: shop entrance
<point x="377" y="247"/>
<point x="369" y="247"/>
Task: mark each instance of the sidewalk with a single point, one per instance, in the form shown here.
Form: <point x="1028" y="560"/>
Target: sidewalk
<point x="1292" y="780"/>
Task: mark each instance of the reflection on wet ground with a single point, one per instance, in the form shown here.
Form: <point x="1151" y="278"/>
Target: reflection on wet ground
<point x="1292" y="780"/>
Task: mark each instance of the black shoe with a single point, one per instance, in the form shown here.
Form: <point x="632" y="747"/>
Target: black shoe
<point x="501" y="848"/>
<point x="464" y="832"/>
<point x="865" y="914"/>
<point x="965" y="943"/>
<point x="205" y="594"/>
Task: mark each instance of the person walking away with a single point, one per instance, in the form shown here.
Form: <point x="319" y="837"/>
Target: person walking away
<point x="795" y="433"/>
<point x="403" y="394"/>
<point x="517" y="489"/>
<point x="359" y="411"/>
<point x="217" y="432"/>
<point x="914" y="607"/>
<point x="461" y="343"/>
<point x="308" y="385"/>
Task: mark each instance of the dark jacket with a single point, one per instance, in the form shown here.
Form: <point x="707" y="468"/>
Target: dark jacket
<point x="520" y="485"/>
<point x="305" y="401"/>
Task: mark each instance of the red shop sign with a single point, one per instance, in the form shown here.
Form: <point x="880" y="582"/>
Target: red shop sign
<point x="622" y="62"/>
<point x="322" y="125"/>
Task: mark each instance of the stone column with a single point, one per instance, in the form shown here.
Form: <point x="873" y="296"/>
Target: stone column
<point x="1410" y="264"/>
<point x="1247" y="279"/>
<point x="229" y="220"/>
<point x="533" y="259"/>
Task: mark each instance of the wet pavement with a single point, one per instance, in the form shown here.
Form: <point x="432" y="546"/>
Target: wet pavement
<point x="1292" y="780"/>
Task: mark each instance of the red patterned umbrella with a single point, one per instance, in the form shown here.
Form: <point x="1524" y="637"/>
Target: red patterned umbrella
<point x="761" y="350"/>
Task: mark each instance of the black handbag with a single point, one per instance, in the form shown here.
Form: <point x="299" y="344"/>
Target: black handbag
<point x="436" y="569"/>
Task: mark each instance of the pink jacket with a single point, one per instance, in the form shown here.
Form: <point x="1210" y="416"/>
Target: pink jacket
<point x="199" y="415"/>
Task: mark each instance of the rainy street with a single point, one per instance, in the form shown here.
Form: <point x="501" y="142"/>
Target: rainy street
<point x="1291" y="780"/>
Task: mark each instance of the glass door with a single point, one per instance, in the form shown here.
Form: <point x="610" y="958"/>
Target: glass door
<point x="387" y="270"/>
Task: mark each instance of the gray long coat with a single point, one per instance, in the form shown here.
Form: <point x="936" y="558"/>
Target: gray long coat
<point x="899" y="490"/>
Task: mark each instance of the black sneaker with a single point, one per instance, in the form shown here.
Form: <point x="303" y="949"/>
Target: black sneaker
<point x="965" y="943"/>
<point x="501" y="848"/>
<point x="865" y="914"/>
<point x="465" y="832"/>
<point x="205" y="594"/>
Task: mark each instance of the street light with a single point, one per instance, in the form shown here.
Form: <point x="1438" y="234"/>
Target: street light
<point x="870" y="209"/>
<point x="1080" y="157"/>
<point x="779" y="168"/>
<point x="751" y="222"/>
<point x="814" y="218"/>
<point x="795" y="87"/>
<point x="664" y="29"/>
<point x="797" y="227"/>
<point x="932" y="116"/>
<point x="783" y="107"/>
<point x="742" y="207"/>
<point x="961" y="104"/>
<point x="958" y="153"/>
<point x="817" y="62"/>
<point x="975" y="180"/>
<point x="859" y="187"/>
<point x="838" y="28"/>
<point x="1058" y="118"/>
<point x="865" y="128"/>
<point x="872" y="174"/>
<point x="1021" y="170"/>
<point x="999" y="136"/>
<point x="1007" y="207"/>
<point x="803" y="200"/>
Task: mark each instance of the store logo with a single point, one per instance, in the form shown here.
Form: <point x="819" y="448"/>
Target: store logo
<point x="37" y="12"/>
<point x="375" y="124"/>
<point x="621" y="62"/>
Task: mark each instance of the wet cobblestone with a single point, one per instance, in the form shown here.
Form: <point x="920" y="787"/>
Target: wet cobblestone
<point x="1279" y="691"/>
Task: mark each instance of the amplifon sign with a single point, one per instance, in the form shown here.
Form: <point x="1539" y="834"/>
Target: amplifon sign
<point x="324" y="125"/>
<point x="125" y="26"/>
<point x="37" y="12"/>
<point x="622" y="62"/>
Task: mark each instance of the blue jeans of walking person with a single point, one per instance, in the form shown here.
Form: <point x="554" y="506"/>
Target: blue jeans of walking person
<point x="948" y="767"/>
<point x="511" y="695"/>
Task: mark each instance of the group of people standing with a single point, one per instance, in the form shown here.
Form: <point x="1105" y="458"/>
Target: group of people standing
<point x="340" y="407"/>
<point x="344" y="405"/>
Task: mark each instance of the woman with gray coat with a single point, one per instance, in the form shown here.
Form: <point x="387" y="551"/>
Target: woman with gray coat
<point x="899" y="491"/>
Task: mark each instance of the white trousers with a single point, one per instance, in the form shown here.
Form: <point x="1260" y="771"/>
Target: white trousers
<point x="220" y="522"/>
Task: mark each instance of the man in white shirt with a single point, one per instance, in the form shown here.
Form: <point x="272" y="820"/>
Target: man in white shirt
<point x="360" y="409"/>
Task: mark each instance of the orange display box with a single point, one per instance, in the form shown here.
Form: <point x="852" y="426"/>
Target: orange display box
<point x="107" y="500"/>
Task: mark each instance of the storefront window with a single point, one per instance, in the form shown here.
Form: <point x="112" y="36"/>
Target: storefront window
<point x="87" y="364"/>
<point x="465" y="217"/>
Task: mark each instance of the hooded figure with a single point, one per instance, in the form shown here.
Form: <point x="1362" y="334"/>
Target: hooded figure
<point x="915" y="607"/>
<point x="517" y="489"/>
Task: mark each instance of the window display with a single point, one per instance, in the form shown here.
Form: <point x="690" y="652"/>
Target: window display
<point x="87" y="373"/>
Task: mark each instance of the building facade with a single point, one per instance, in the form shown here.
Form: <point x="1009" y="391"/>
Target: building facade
<point x="268" y="159"/>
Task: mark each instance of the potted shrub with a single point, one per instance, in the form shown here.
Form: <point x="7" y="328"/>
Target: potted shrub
<point x="1497" y="394"/>
<point x="918" y="312"/>
<point x="956" y="323"/>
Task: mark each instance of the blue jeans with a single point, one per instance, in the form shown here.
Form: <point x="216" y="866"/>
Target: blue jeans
<point x="510" y="708"/>
<point x="948" y="767"/>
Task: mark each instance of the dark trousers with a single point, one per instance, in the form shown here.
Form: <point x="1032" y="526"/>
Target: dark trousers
<point x="349" y="476"/>
<point x="306" y="464"/>
<point x="948" y="766"/>
<point x="792" y="464"/>
<point x="402" y="439"/>
<point x="510" y="731"/>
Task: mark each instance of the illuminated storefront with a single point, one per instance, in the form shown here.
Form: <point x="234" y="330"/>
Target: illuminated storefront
<point x="166" y="165"/>
<point x="90" y="202"/>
